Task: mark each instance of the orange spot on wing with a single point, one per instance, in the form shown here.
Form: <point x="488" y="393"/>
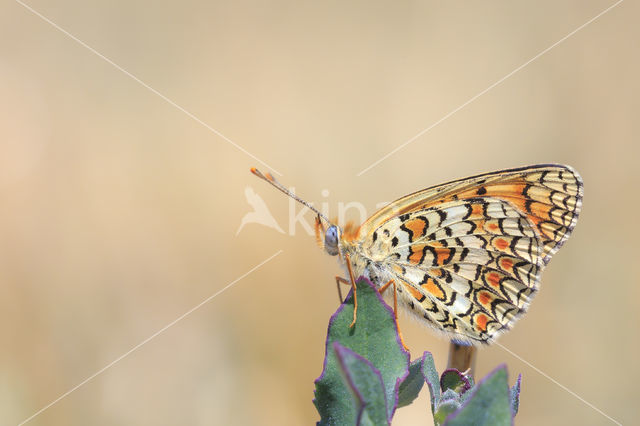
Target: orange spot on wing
<point x="493" y="226"/>
<point x="493" y="279"/>
<point x="415" y="293"/>
<point x="471" y="193"/>
<point x="416" y="254"/>
<point x="417" y="228"/>
<point x="433" y="289"/>
<point x="507" y="264"/>
<point x="501" y="243"/>
<point x="477" y="210"/>
<point x="443" y="255"/>
<point x="540" y="210"/>
<point x="514" y="189"/>
<point x="484" y="298"/>
<point x="481" y="322"/>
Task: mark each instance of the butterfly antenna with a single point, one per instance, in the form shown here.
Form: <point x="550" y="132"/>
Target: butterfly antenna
<point x="320" y="232"/>
<point x="320" y="224"/>
<point x="270" y="179"/>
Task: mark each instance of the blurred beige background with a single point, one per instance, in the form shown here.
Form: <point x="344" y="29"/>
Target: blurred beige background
<point x="119" y="212"/>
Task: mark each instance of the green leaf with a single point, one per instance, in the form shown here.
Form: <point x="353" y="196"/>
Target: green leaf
<point x="445" y="408"/>
<point x="449" y="403"/>
<point x="365" y="383"/>
<point x="375" y="338"/>
<point x="515" y="396"/>
<point x="412" y="384"/>
<point x="489" y="403"/>
<point x="454" y="380"/>
<point x="432" y="378"/>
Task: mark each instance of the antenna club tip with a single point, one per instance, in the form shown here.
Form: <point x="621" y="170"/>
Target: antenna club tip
<point x="254" y="170"/>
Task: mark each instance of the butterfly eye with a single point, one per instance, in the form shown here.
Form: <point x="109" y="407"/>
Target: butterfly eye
<point x="331" y="240"/>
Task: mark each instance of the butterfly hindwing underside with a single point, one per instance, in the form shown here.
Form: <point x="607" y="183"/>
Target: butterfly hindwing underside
<point x="467" y="255"/>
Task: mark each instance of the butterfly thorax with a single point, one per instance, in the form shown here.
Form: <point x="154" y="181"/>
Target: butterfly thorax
<point x="364" y="262"/>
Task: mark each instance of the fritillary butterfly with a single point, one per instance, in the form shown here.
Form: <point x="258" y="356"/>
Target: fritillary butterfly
<point x="466" y="256"/>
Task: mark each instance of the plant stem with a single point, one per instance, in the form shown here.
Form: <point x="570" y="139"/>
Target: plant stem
<point x="462" y="357"/>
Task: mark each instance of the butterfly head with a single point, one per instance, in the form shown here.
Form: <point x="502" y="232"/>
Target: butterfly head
<point x="332" y="240"/>
<point x="328" y="238"/>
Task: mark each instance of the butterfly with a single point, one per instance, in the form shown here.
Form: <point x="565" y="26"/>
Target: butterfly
<point x="465" y="257"/>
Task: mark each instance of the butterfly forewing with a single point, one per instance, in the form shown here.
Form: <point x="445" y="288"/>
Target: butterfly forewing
<point x="468" y="254"/>
<point x="549" y="195"/>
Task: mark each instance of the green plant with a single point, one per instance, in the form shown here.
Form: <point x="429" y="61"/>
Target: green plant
<point x="367" y="375"/>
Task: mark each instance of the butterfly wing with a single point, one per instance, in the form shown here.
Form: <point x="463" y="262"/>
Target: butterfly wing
<point x="550" y="195"/>
<point x="468" y="254"/>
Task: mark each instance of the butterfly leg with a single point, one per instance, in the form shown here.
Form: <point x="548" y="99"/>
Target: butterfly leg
<point x="395" y="308"/>
<point x="347" y="258"/>
<point x="340" y="280"/>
